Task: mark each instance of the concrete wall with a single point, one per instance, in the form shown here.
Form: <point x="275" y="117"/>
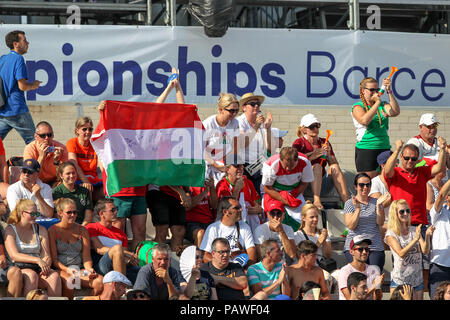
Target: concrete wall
<point x="336" y="118"/>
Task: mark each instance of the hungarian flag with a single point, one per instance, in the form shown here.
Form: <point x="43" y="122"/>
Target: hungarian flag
<point x="150" y="143"/>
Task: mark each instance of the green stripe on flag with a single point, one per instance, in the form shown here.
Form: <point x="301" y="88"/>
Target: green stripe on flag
<point x="131" y="173"/>
<point x="283" y="187"/>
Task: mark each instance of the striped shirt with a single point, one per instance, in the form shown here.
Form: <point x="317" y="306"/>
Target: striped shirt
<point x="258" y="274"/>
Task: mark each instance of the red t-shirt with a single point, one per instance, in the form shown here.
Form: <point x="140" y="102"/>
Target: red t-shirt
<point x="202" y="212"/>
<point x="107" y="236"/>
<point x="225" y="189"/>
<point x="125" y="192"/>
<point x="2" y="148"/>
<point x="304" y="146"/>
<point x="413" y="189"/>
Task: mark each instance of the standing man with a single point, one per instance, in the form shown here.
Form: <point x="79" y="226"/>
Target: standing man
<point x="13" y="71"/>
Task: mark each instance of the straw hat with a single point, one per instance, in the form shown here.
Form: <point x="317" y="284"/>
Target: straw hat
<point x="250" y="96"/>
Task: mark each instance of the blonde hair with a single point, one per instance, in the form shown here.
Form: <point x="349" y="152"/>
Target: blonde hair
<point x="362" y="85"/>
<point x="308" y="206"/>
<point x="21" y="206"/>
<point x="81" y="121"/>
<point x="61" y="203"/>
<point x="394" y="222"/>
<point x="35" y="294"/>
<point x="226" y="99"/>
<point x="299" y="131"/>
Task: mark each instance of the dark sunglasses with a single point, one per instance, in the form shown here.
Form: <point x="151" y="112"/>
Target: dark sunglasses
<point x="432" y="126"/>
<point x="33" y="213"/>
<point x="45" y="135"/>
<point x="314" y="126"/>
<point x="26" y="171"/>
<point x="362" y="185"/>
<point x="253" y="104"/>
<point x="72" y="212"/>
<point x="232" y="111"/>
<point x="373" y="89"/>
<point x="276" y="213"/>
<point x="410" y="158"/>
<point x="403" y="211"/>
<point x="139" y="295"/>
<point x="87" y="129"/>
<point x="363" y="249"/>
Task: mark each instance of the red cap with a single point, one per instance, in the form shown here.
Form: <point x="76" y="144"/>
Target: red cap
<point x="275" y="205"/>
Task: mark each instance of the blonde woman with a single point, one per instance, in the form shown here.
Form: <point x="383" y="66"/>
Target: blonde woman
<point x="370" y="117"/>
<point x="310" y="231"/>
<point x="28" y="249"/>
<point x="221" y="131"/>
<point x="71" y="251"/>
<point x="407" y="246"/>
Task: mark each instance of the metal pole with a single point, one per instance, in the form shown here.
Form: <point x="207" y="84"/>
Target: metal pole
<point x="149" y="12"/>
<point x="173" y="13"/>
<point x="353" y="12"/>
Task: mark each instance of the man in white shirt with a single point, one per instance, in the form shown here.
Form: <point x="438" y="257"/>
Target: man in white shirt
<point x="440" y="253"/>
<point x="231" y="227"/>
<point x="31" y="187"/>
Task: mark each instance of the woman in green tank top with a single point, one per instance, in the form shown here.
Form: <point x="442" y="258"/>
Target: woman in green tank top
<point x="371" y="119"/>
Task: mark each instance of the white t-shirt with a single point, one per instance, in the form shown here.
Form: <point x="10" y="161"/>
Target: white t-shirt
<point x="425" y="150"/>
<point x="257" y="145"/>
<point x="440" y="253"/>
<point x="220" y="138"/>
<point x="371" y="272"/>
<point x="219" y="230"/>
<point x="263" y="233"/>
<point x="299" y="237"/>
<point x="17" y="191"/>
<point x="379" y="187"/>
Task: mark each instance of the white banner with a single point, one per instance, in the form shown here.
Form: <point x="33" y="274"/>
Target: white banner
<point x="299" y="67"/>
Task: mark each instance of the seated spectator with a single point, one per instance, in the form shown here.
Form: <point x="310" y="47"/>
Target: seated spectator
<point x="229" y="277"/>
<point x="30" y="258"/>
<point x="48" y="152"/>
<point x="115" y="285"/>
<point x="238" y="186"/>
<point x="82" y="154"/>
<point x="442" y="291"/>
<point x="109" y="245"/>
<point x="359" y="249"/>
<point x="167" y="205"/>
<point x="440" y="253"/>
<point x="69" y="189"/>
<point x="37" y="294"/>
<point x="285" y="178"/>
<point x="13" y="280"/>
<point x="4" y="174"/>
<point x="230" y="226"/>
<point x="71" y="251"/>
<point x="31" y="187"/>
<point x="158" y="279"/>
<point x="402" y="292"/>
<point x="275" y="229"/>
<point x="269" y="275"/>
<point x="310" y="144"/>
<point x="365" y="215"/>
<point x="306" y="291"/>
<point x="357" y="286"/>
<point x="306" y="270"/>
<point x="406" y="244"/>
<point x="202" y="211"/>
<point x="201" y="284"/>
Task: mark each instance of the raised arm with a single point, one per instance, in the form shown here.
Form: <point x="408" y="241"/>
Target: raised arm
<point x="390" y="163"/>
<point x="442" y="196"/>
<point x="441" y="165"/>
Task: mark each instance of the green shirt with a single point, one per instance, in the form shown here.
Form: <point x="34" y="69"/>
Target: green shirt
<point x="80" y="195"/>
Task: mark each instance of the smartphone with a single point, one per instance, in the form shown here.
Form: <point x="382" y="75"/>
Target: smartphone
<point x="51" y="149"/>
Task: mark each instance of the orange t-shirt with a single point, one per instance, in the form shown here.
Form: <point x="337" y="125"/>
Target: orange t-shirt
<point x="86" y="158"/>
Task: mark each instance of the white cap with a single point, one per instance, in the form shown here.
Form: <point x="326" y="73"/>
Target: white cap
<point x="116" y="276"/>
<point x="308" y="120"/>
<point x="277" y="133"/>
<point x="428" y="119"/>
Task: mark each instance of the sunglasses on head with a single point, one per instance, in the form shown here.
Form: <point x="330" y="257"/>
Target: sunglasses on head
<point x="362" y="185"/>
<point x="314" y="126"/>
<point x="410" y="158"/>
<point x="45" y="135"/>
<point x="33" y="213"/>
<point x="87" y="129"/>
<point x="253" y="104"/>
<point x="404" y="211"/>
<point x="232" y="111"/>
<point x="372" y="90"/>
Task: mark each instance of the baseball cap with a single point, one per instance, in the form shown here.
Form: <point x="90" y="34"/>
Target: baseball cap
<point x="116" y="276"/>
<point x="277" y="133"/>
<point x="308" y="120"/>
<point x="383" y="157"/>
<point x="32" y="165"/>
<point x="428" y="119"/>
<point x="357" y="240"/>
<point x="275" y="205"/>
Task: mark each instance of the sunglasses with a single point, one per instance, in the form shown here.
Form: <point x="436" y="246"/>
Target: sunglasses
<point x="113" y="210"/>
<point x="314" y="126"/>
<point x="223" y="252"/>
<point x="33" y="213"/>
<point x="199" y="257"/>
<point x="362" y="185"/>
<point x="139" y="295"/>
<point x="276" y="213"/>
<point x="253" y="104"/>
<point x="45" y="135"/>
<point x="432" y="126"/>
<point x="362" y="249"/>
<point x="232" y="111"/>
<point x="26" y="171"/>
<point x="372" y="90"/>
<point x="404" y="211"/>
<point x="87" y="129"/>
<point x="410" y="158"/>
<point x="72" y="212"/>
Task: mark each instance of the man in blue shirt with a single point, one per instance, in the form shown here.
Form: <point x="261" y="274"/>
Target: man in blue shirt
<point x="13" y="72"/>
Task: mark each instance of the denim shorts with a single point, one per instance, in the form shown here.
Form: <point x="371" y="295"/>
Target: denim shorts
<point x="418" y="288"/>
